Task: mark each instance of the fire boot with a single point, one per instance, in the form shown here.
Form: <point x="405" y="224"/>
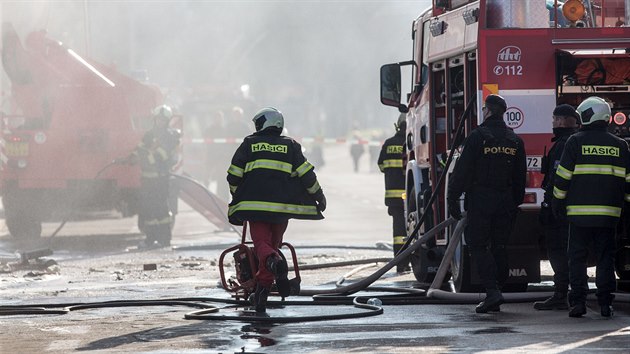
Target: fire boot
<point x="607" y="310"/>
<point x="492" y="302"/>
<point x="278" y="267"/>
<point x="259" y="299"/>
<point x="578" y="310"/>
<point x="558" y="301"/>
<point x="295" y="286"/>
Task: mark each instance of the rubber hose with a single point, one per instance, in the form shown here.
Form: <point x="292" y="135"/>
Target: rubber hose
<point x="364" y="283"/>
<point x="470" y="298"/>
<point x="373" y="310"/>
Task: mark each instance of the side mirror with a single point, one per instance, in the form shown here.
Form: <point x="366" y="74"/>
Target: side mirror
<point x="390" y="85"/>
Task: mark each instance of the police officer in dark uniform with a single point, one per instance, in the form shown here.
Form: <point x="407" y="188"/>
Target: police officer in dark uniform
<point x="491" y="171"/>
<point x="590" y="186"/>
<point x="390" y="162"/>
<point x="271" y="182"/>
<point x="565" y="122"/>
<point x="157" y="154"/>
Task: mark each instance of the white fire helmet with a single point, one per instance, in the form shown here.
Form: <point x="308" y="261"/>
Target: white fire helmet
<point x="268" y="117"/>
<point x="163" y="111"/>
<point x="594" y="109"/>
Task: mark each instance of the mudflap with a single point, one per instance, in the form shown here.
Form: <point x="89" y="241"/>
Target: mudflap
<point x="198" y="197"/>
<point x="425" y="263"/>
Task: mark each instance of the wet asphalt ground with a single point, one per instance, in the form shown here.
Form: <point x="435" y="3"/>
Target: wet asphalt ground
<point x="96" y="261"/>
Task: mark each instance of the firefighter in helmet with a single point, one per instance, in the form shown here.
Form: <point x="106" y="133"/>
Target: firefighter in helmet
<point x="157" y="154"/>
<point x="271" y="182"/>
<point x="491" y="171"/>
<point x="592" y="157"/>
<point x="390" y="162"/>
<point x="565" y="122"/>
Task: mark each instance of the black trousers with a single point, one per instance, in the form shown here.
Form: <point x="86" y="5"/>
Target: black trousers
<point x="557" y="240"/>
<point x="399" y="227"/>
<point x="487" y="237"/>
<point x="154" y="216"/>
<point x="600" y="240"/>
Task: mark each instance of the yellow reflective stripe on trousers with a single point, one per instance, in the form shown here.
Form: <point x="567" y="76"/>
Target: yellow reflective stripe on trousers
<point x="628" y="177"/>
<point x="394" y="193"/>
<point x="399" y="240"/>
<point x="603" y="210"/>
<point x="235" y="171"/>
<point x="273" y="207"/>
<point x="397" y="163"/>
<point x="559" y="193"/>
<point x="626" y="197"/>
<point x="564" y="173"/>
<point x="163" y="221"/>
<point x="162" y="153"/>
<point x="314" y="188"/>
<point x="151" y="159"/>
<point x="269" y="164"/>
<point x="305" y="167"/>
<point x="592" y="169"/>
<point x="233" y="188"/>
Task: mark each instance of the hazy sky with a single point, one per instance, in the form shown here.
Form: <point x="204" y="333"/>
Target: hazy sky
<point x="317" y="61"/>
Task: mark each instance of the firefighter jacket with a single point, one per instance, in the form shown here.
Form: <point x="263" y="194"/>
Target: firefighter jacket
<point x="271" y="181"/>
<point x="491" y="169"/>
<point x="157" y="152"/>
<point x="390" y="162"/>
<point x="592" y="179"/>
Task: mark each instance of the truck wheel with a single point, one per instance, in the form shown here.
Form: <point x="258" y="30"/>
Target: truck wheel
<point x="425" y="263"/>
<point x="22" y="216"/>
<point x="461" y="269"/>
<point x="24" y="227"/>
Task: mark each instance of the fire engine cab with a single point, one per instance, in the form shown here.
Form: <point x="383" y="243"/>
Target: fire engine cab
<point x="68" y="119"/>
<point x="536" y="54"/>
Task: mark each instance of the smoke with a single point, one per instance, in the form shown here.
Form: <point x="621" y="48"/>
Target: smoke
<point x="317" y="61"/>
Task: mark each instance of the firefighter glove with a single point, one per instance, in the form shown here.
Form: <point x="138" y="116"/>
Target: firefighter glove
<point x="453" y="209"/>
<point x="321" y="202"/>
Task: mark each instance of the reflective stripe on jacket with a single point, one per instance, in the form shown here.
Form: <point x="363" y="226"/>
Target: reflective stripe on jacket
<point x="271" y="180"/>
<point x="593" y="177"/>
<point x="390" y="162"/>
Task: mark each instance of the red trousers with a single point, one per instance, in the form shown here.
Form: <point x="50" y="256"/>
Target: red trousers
<point x="267" y="238"/>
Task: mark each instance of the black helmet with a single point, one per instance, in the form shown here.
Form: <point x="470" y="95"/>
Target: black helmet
<point x="496" y="101"/>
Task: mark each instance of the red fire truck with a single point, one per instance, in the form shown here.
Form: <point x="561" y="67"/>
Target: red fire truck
<point x="537" y="54"/>
<point x="69" y="118"/>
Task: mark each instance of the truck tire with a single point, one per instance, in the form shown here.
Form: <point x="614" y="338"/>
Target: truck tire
<point x="24" y="227"/>
<point x="461" y="271"/>
<point x="425" y="262"/>
<point x="22" y="219"/>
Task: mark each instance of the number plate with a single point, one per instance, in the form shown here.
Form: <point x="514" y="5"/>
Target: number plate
<point x="16" y="149"/>
<point x="534" y="163"/>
